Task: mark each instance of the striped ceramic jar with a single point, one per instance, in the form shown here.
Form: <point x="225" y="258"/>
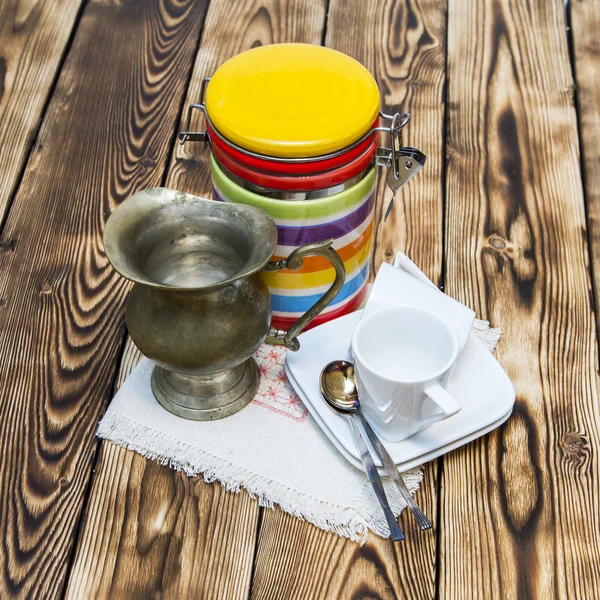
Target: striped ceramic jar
<point x="295" y="129"/>
<point x="347" y="217"/>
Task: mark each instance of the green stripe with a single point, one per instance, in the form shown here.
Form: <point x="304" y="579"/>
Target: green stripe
<point x="295" y="209"/>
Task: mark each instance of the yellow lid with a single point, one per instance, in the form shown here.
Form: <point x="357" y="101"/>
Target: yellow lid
<point x="292" y="100"/>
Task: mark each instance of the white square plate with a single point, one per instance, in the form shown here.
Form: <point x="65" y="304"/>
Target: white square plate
<point x="478" y="382"/>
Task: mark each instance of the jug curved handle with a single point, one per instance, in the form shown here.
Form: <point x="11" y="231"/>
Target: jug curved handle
<point x="294" y="262"/>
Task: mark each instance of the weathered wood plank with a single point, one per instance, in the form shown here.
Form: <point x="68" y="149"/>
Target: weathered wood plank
<point x="106" y="134"/>
<point x="585" y="25"/>
<point x="151" y="531"/>
<point x="520" y="508"/>
<point x="403" y="44"/>
<point x="296" y="560"/>
<point x="33" y="38"/>
<point x="211" y="556"/>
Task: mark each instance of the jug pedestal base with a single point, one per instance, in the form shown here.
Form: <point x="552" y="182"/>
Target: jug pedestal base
<point x="206" y="398"/>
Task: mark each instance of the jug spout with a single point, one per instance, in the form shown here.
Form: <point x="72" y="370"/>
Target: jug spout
<point x="171" y="240"/>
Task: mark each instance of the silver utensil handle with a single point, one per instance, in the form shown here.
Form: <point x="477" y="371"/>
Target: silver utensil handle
<point x="392" y="471"/>
<point x="371" y="469"/>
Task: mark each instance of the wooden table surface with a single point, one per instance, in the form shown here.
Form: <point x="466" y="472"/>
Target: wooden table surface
<point x="505" y="97"/>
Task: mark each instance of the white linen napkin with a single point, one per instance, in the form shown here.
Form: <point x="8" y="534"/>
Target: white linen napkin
<point x="273" y="449"/>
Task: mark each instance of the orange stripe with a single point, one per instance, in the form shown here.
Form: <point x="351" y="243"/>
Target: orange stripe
<point x="318" y="263"/>
<point x="296" y="280"/>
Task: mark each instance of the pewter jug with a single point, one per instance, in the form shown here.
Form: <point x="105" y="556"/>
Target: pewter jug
<point x="198" y="307"/>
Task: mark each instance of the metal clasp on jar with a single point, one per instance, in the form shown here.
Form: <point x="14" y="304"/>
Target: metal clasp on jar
<point x="196" y="136"/>
<point x="402" y="162"/>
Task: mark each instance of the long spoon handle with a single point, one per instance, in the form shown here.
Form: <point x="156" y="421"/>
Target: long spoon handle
<point x="371" y="469"/>
<point x="392" y="471"/>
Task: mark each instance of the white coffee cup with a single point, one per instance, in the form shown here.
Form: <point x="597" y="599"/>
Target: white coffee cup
<point x="401" y="355"/>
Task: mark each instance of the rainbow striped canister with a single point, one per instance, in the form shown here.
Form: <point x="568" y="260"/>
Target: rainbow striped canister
<point x="347" y="217"/>
<point x="295" y="129"/>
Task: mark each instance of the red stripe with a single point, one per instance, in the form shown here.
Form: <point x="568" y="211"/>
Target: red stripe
<point x="286" y="322"/>
<point x="317" y="181"/>
<point x="283" y="167"/>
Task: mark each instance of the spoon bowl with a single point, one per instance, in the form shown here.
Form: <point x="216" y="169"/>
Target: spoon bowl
<point x="338" y="386"/>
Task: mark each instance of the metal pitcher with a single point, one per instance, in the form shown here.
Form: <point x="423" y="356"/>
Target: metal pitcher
<point x="199" y="308"/>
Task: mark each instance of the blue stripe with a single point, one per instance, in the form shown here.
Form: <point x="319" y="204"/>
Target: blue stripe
<point x="303" y="303"/>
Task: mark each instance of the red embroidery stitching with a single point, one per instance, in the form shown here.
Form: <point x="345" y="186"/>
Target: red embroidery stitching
<point x="275" y="392"/>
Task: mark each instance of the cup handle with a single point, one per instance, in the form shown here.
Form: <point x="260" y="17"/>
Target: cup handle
<point x="444" y="400"/>
<point x="294" y="262"/>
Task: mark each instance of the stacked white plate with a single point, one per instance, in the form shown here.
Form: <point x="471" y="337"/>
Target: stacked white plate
<point x="477" y="380"/>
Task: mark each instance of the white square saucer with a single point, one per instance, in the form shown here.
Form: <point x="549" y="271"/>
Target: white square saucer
<point x="478" y="382"/>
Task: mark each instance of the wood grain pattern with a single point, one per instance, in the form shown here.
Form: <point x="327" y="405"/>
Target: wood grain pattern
<point x="151" y="532"/>
<point x="33" y="38"/>
<point x="297" y="560"/>
<point x="585" y="25"/>
<point x="402" y="43"/>
<point x="520" y="508"/>
<point x="211" y="557"/>
<point x="105" y="135"/>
